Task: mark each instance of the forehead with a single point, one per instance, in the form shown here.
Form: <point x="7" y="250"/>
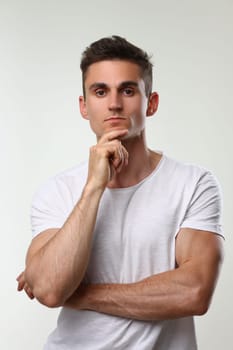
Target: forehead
<point x="113" y="72"/>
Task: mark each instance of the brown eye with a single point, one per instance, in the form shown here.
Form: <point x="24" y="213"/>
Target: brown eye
<point x="100" y="92"/>
<point x="128" y="92"/>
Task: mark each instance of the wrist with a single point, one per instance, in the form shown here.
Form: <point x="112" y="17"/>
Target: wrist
<point x="93" y="186"/>
<point x="91" y="189"/>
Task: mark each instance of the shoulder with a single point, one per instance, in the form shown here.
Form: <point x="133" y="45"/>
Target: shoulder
<point x="77" y="172"/>
<point x="54" y="200"/>
<point x="190" y="181"/>
<point x="187" y="172"/>
<point x="69" y="181"/>
<point x="198" y="191"/>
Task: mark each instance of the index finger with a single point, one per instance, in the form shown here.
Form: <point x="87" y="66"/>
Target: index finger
<point x="112" y="135"/>
<point x="21" y="282"/>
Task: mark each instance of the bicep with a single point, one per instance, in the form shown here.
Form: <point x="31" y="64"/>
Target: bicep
<point x="201" y="253"/>
<point x="39" y="242"/>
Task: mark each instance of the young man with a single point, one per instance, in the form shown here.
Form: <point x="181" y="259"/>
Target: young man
<point x="130" y="243"/>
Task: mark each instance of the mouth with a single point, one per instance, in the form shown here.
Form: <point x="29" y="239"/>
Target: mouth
<point x="114" y="118"/>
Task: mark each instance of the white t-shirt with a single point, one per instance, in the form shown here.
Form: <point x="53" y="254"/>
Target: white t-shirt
<point x="134" y="238"/>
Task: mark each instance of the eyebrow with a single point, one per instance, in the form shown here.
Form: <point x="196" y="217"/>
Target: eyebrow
<point x="122" y="85"/>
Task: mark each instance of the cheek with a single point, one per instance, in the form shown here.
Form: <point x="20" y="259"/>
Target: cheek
<point x="96" y="110"/>
<point x="140" y="105"/>
<point x="95" y="118"/>
<point x="139" y="110"/>
<point x="144" y="106"/>
<point x="96" y="129"/>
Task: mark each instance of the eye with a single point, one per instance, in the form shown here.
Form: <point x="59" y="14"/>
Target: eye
<point x="128" y="91"/>
<point x="100" y="92"/>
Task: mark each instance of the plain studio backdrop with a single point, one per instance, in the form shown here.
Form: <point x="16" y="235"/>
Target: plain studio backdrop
<point x="42" y="132"/>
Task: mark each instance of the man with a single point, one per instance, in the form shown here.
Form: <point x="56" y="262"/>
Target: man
<point x="130" y="243"/>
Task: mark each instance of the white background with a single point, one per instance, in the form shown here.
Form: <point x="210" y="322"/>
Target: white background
<point x="42" y="133"/>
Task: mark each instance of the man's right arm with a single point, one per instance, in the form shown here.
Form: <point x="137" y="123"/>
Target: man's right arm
<point x="57" y="258"/>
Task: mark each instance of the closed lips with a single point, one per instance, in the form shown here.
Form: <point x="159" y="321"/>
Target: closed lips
<point x="114" y="117"/>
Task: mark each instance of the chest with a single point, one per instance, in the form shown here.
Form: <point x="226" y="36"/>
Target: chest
<point x="135" y="235"/>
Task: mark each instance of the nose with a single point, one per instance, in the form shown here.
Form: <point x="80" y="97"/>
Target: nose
<point x="115" y="102"/>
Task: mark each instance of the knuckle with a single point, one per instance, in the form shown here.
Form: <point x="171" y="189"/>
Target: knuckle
<point x="95" y="149"/>
<point x="92" y="148"/>
<point x="116" y="142"/>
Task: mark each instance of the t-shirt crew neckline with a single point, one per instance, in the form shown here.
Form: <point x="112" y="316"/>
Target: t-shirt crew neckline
<point x="153" y="173"/>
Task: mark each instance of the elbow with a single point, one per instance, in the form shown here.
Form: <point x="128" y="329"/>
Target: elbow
<point x="49" y="297"/>
<point x="201" y="309"/>
<point x="41" y="292"/>
<point x="50" y="300"/>
<point x="201" y="302"/>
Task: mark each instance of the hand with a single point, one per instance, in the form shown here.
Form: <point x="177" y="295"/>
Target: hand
<point x="22" y="285"/>
<point x="107" y="157"/>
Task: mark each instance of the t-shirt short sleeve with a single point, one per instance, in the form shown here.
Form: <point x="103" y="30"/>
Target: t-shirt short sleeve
<point x="51" y="205"/>
<point x="205" y="208"/>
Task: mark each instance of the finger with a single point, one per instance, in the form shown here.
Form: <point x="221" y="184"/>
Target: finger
<point x="19" y="276"/>
<point x="28" y="291"/>
<point x="114" y="134"/>
<point x="111" y="169"/>
<point x="20" y="286"/>
<point x="30" y="294"/>
<point x="121" y="162"/>
<point x="21" y="282"/>
<point x="124" y="158"/>
<point x="117" y="155"/>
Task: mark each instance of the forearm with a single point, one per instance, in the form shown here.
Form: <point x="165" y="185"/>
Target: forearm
<point x="164" y="296"/>
<point x="57" y="260"/>
<point x="57" y="269"/>
<point x="184" y="291"/>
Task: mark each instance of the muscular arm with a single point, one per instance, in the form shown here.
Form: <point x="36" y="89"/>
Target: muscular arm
<point x="57" y="258"/>
<point x="184" y="291"/>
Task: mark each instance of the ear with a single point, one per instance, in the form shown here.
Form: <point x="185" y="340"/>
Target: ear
<point x="83" y="107"/>
<point x="153" y="103"/>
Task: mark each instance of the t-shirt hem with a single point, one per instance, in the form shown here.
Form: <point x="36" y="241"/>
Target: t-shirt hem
<point x="44" y="228"/>
<point x="211" y="228"/>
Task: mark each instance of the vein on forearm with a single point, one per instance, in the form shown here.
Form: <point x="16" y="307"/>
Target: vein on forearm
<point x="163" y="296"/>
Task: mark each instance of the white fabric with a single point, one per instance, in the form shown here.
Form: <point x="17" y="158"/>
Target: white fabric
<point x="134" y="238"/>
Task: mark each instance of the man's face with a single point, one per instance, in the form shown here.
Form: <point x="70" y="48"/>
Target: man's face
<point x="115" y="97"/>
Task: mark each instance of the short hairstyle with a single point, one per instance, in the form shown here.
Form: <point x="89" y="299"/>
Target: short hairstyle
<point x="117" y="48"/>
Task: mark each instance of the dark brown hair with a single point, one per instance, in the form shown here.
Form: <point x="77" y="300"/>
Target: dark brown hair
<point x="114" y="48"/>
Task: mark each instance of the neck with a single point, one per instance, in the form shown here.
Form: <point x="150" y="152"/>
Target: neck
<point x="142" y="162"/>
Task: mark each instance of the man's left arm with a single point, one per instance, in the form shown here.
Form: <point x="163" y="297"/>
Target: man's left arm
<point x="184" y="291"/>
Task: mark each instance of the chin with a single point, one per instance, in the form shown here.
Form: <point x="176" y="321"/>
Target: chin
<point x="115" y="127"/>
